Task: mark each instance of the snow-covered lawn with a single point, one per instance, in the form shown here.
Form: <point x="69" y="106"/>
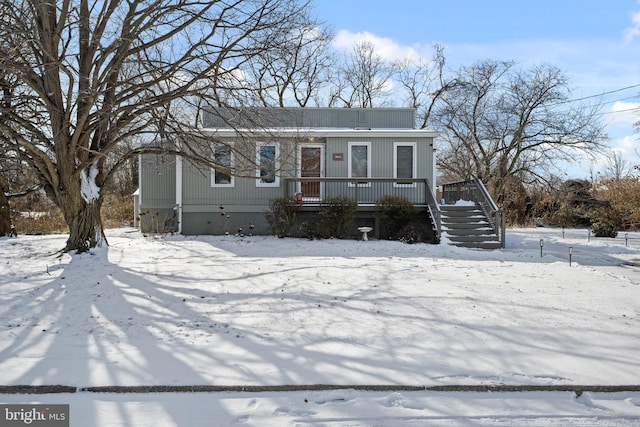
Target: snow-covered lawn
<point x="260" y="311"/>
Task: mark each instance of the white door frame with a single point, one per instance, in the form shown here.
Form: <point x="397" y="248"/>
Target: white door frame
<point x="322" y="168"/>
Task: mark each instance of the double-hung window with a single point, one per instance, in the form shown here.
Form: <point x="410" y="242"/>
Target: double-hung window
<point x="360" y="161"/>
<point x="223" y="164"/>
<point x="267" y="161"/>
<point x="404" y="163"/>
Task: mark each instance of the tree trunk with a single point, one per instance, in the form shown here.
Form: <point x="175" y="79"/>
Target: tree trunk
<point x="85" y="225"/>
<point x="80" y="201"/>
<point x="5" y="211"/>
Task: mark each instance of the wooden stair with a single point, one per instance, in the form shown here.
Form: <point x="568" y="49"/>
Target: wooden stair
<point x="467" y="225"/>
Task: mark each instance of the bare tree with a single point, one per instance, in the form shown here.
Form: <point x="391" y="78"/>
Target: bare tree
<point x="501" y="123"/>
<point x="617" y="166"/>
<point x="12" y="171"/>
<point x="294" y="74"/>
<point x="89" y="75"/>
<point x="15" y="181"/>
<point x="423" y="82"/>
<point x="363" y="79"/>
<point x="5" y="211"/>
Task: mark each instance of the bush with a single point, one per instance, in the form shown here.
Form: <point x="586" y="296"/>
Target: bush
<point x="35" y="214"/>
<point x="117" y="210"/>
<point x="282" y="215"/>
<point x="41" y="222"/>
<point x="336" y="217"/>
<point x="158" y="222"/>
<point x="604" y="229"/>
<point x="399" y="220"/>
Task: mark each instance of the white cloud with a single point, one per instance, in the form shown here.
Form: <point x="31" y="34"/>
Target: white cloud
<point x="634" y="31"/>
<point x="624" y="112"/>
<point x="385" y="47"/>
<point x="627" y="145"/>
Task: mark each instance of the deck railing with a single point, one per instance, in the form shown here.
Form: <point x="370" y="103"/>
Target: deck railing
<point x="364" y="191"/>
<point x="475" y="191"/>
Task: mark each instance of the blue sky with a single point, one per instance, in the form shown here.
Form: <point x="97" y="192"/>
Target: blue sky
<point x="596" y="42"/>
<point x="464" y="21"/>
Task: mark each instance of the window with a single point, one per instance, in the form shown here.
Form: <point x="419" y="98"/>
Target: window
<point x="223" y="159"/>
<point x="267" y="160"/>
<point x="360" y="160"/>
<point x="404" y="162"/>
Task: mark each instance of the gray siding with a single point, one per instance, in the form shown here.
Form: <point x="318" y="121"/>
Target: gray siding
<point x="200" y="195"/>
<point x="157" y="193"/>
<point x="158" y="180"/>
<point x="349" y="118"/>
<point x="231" y="222"/>
<point x="381" y="156"/>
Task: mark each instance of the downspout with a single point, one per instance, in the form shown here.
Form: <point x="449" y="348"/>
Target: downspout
<point x="179" y="191"/>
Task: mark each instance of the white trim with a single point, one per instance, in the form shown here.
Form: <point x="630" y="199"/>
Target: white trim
<point x="231" y="163"/>
<point x="349" y="161"/>
<point x="137" y="195"/>
<point x="276" y="182"/>
<point x="179" y="191"/>
<point x="414" y="166"/>
<point x="140" y="178"/>
<point x="299" y="167"/>
<point x="433" y="169"/>
<point x="325" y="132"/>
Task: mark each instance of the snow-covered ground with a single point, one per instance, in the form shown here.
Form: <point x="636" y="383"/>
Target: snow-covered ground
<point x="262" y="311"/>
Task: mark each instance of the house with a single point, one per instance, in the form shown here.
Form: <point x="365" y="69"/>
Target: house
<point x="310" y="154"/>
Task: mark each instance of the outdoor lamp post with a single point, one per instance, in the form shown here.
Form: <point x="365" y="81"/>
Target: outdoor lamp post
<point x="570" y="253"/>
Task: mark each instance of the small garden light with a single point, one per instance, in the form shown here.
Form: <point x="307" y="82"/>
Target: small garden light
<point x="541" y="245"/>
<point x="626" y="239"/>
<point x="570" y="253"/>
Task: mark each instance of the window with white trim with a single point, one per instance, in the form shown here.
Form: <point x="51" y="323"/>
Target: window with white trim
<point x="360" y="160"/>
<point x="267" y="161"/>
<point x="223" y="161"/>
<point x="404" y="162"/>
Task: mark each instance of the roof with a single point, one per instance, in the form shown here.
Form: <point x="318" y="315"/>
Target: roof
<point x="308" y="118"/>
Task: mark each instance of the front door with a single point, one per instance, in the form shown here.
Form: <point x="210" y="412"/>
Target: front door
<point x="311" y="167"/>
